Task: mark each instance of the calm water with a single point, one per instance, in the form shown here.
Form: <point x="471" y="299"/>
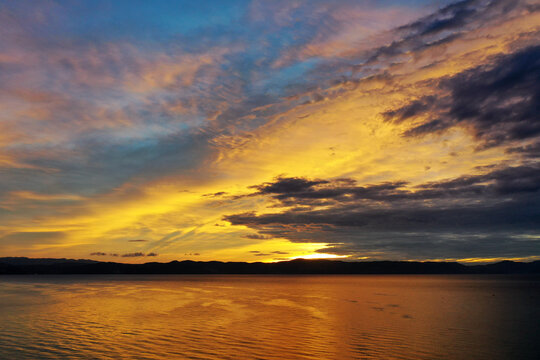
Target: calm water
<point x="269" y="317"/>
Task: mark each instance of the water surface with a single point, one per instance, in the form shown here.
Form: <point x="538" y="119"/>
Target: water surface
<point x="269" y="317"/>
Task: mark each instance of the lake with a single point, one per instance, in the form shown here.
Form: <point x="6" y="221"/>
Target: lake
<point x="269" y="317"/>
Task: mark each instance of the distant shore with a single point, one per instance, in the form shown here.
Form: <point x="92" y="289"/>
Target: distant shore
<point x="22" y="265"/>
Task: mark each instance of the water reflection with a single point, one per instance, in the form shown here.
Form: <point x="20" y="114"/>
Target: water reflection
<point x="270" y="317"/>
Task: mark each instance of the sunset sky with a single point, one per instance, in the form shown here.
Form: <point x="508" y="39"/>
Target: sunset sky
<point x="138" y="131"/>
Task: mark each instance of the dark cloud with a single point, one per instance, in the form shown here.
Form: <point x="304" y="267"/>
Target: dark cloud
<point x="510" y="180"/>
<point x="518" y="215"/>
<point x="287" y="185"/>
<point x="277" y="252"/>
<point x="137" y="240"/>
<point x="135" y="254"/>
<point x="501" y="204"/>
<point x="456" y="19"/>
<point x="500" y="101"/>
<point x="100" y="253"/>
<point x="217" y="194"/>
<point x="431" y="126"/>
<point x="410" y="43"/>
<point x="412" y="109"/>
<point x="527" y="151"/>
<point x="429" y="245"/>
<point x="295" y="189"/>
<point x="500" y="182"/>
<point x="256" y="236"/>
<point x="444" y="25"/>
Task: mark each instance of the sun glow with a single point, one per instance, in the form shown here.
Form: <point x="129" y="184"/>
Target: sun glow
<point x="318" y="256"/>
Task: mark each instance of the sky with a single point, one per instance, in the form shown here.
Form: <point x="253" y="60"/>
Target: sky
<point x="139" y="131"/>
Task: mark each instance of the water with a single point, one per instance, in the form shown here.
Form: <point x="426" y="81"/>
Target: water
<point x="269" y="317"/>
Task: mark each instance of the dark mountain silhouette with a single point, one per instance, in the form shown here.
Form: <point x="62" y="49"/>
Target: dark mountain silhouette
<point x="22" y="265"/>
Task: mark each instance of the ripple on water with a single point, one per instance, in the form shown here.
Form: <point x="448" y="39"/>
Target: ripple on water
<point x="307" y="317"/>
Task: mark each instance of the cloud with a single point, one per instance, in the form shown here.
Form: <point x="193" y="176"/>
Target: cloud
<point x="498" y="101"/>
<point x="260" y="253"/>
<point x="98" y="165"/>
<point x="135" y="254"/>
<point x="410" y="110"/>
<point x="216" y="194"/>
<point x="400" y="218"/>
<point x="287" y="185"/>
<point x="333" y="30"/>
<point x="256" y="236"/>
<point x="138" y="240"/>
<point x="445" y="25"/>
<point x="528" y="151"/>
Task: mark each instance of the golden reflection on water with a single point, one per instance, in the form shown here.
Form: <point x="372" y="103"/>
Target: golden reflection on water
<point x="269" y="317"/>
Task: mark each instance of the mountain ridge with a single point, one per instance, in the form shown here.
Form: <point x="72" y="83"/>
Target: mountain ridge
<point x="24" y="265"/>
